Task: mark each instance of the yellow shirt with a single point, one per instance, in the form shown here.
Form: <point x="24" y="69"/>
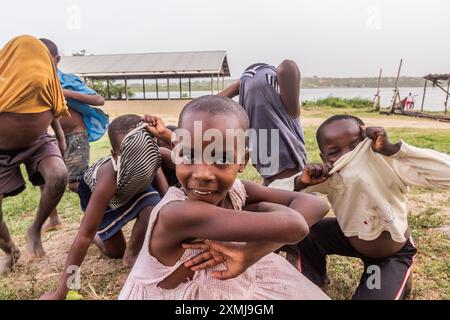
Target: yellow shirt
<point x="28" y="79"/>
<point x="368" y="191"/>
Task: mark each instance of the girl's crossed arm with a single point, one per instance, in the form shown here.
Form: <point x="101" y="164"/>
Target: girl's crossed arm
<point x="312" y="208"/>
<point x="240" y="257"/>
<point x="200" y="220"/>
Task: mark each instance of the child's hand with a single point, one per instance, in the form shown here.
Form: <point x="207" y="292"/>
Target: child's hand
<point x="313" y="174"/>
<point x="156" y="126"/>
<point x="234" y="256"/>
<point x="51" y="295"/>
<point x="380" y="141"/>
<point x="62" y="145"/>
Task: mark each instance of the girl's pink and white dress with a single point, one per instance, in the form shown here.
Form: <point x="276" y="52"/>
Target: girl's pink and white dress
<point x="271" y="278"/>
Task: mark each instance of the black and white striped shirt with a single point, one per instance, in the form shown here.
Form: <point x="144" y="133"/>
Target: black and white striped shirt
<point x="136" y="167"/>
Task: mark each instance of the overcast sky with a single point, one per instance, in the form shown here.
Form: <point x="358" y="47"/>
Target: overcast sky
<point x="325" y="37"/>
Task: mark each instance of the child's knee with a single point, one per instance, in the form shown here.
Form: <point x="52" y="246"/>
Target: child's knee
<point x="114" y="254"/>
<point x="57" y="180"/>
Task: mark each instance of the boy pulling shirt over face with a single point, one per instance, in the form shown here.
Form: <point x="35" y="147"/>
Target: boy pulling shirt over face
<point x="366" y="180"/>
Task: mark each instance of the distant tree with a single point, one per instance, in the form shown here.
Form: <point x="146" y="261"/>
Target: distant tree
<point x="116" y="90"/>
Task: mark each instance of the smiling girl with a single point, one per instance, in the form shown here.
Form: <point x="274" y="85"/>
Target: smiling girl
<point x="213" y="204"/>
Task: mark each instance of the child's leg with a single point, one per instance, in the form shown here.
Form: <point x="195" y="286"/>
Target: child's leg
<point x="7" y="245"/>
<point x="386" y="279"/>
<point x="288" y="76"/>
<point x="137" y="237"/>
<point x="114" y="247"/>
<point x="53" y="220"/>
<point x="325" y="238"/>
<point x="53" y="170"/>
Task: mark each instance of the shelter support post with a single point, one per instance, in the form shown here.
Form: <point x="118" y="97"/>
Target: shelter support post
<point x="126" y="89"/>
<point x="143" y="87"/>
<point x="108" y="92"/>
<point x="212" y="84"/>
<point x="190" y="89"/>
<point x="157" y="89"/>
<point x="168" y="89"/>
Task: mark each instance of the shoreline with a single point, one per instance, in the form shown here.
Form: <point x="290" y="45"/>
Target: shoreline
<point x="169" y="110"/>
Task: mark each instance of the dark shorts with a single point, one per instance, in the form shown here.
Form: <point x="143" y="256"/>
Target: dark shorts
<point x="382" y="278"/>
<point x="115" y="219"/>
<point x="11" y="179"/>
<point x="77" y="155"/>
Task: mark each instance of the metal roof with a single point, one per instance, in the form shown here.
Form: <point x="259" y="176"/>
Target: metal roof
<point x="148" y="65"/>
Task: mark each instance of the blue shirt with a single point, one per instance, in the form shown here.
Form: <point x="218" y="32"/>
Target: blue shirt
<point x="95" y="120"/>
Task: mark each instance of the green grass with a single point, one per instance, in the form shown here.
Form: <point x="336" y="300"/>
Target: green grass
<point x="339" y="103"/>
<point x="432" y="269"/>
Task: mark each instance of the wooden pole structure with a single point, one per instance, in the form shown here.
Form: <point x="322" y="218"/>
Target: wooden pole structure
<point x="218" y="83"/>
<point x="424" y="93"/>
<point x="223" y="81"/>
<point x="126" y="89"/>
<point x="190" y="89"/>
<point x="143" y="87"/>
<point x="181" y="91"/>
<point x="168" y="89"/>
<point x="396" y="91"/>
<point x="212" y="82"/>
<point x="157" y="89"/>
<point x="446" y="99"/>
<point x="107" y="89"/>
<point x="376" y="100"/>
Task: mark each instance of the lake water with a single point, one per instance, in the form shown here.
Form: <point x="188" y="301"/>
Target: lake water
<point x="434" y="100"/>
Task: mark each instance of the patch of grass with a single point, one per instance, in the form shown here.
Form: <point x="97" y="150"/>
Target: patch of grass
<point x="430" y="218"/>
<point x="339" y="103"/>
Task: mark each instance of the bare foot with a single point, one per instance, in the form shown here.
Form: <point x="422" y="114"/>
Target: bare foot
<point x="34" y="243"/>
<point x="9" y="261"/>
<point x="52" y="226"/>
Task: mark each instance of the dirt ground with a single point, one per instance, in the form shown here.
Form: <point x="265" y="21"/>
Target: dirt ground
<point x="102" y="278"/>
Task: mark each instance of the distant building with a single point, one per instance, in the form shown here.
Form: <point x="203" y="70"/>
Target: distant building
<point x="159" y="70"/>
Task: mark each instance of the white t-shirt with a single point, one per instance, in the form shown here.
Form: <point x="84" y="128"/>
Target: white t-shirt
<point x="367" y="190"/>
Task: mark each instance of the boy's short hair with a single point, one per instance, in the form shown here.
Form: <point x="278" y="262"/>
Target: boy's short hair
<point x="319" y="134"/>
<point x="216" y="105"/>
<point x="122" y="126"/>
<point x="51" y="46"/>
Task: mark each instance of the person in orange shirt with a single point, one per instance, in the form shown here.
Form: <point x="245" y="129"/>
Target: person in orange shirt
<point x="31" y="100"/>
